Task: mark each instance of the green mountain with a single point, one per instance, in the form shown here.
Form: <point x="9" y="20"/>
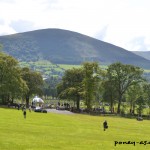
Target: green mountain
<point x="66" y="47"/>
<point x="145" y="54"/>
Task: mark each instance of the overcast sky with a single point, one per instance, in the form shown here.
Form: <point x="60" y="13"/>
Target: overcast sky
<point x="125" y="23"/>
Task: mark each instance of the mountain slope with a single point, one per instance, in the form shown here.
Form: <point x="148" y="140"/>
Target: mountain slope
<point x="145" y="54"/>
<point x="66" y="47"/>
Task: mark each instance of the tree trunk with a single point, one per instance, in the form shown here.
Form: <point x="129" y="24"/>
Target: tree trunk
<point x="119" y="104"/>
<point x="88" y="105"/>
<point x="111" y="104"/>
<point x="111" y="107"/>
<point x="12" y="100"/>
<point x="149" y="111"/>
<point x="3" y="99"/>
<point x="133" y="109"/>
<point x="118" y="110"/>
<point x="27" y="101"/>
<point x="140" y="111"/>
<point x="78" y="103"/>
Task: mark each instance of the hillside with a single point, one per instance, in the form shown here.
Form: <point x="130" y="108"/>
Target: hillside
<point x="66" y="47"/>
<point x="145" y="54"/>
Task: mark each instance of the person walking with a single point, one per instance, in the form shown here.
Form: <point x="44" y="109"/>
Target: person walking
<point x="105" y="125"/>
<point x="24" y="113"/>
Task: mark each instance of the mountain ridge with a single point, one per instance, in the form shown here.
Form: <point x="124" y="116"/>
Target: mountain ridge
<point x="66" y="47"/>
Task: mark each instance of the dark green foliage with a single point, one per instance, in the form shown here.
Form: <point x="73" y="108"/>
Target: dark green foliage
<point x="132" y="94"/>
<point x="147" y="94"/>
<point x="11" y="83"/>
<point x="90" y="82"/>
<point x="141" y="103"/>
<point x="71" y="85"/>
<point x="122" y="77"/>
<point x="50" y="86"/>
<point x="109" y="94"/>
<point x="34" y="82"/>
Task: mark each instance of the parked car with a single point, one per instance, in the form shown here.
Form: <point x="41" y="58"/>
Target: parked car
<point x="39" y="109"/>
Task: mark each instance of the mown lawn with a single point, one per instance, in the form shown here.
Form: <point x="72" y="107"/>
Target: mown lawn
<point x="40" y="131"/>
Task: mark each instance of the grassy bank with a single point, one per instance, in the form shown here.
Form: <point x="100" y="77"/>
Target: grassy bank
<point x="40" y="131"/>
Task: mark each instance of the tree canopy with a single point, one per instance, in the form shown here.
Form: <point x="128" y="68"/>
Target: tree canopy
<point x="16" y="82"/>
<point x="11" y="83"/>
<point x="34" y="82"/>
<point x="71" y="86"/>
<point x="122" y="77"/>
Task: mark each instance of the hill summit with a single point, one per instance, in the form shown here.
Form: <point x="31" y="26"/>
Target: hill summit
<point x="66" y="47"/>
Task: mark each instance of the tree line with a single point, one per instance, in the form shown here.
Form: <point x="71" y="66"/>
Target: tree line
<point x="118" y="84"/>
<point x="17" y="82"/>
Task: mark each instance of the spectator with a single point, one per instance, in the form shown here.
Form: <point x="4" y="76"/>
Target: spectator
<point x="105" y="125"/>
<point x="24" y="113"/>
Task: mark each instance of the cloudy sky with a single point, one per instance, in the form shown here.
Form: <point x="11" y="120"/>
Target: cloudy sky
<point x="125" y="23"/>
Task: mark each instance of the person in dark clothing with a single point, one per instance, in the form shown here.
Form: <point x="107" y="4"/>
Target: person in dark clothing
<point x="105" y="125"/>
<point x="18" y="106"/>
<point x="24" y="113"/>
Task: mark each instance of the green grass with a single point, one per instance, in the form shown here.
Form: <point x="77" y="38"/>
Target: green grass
<point x="45" y="67"/>
<point x="65" y="66"/>
<point x="40" y="131"/>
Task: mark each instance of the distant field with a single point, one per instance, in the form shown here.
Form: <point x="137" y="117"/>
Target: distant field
<point x="49" y="69"/>
<point x="147" y="71"/>
<point x="40" y="131"/>
<point x="64" y="66"/>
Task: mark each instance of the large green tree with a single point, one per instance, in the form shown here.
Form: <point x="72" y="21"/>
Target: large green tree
<point x="91" y="80"/>
<point x="140" y="104"/>
<point x="123" y="77"/>
<point x="147" y="94"/>
<point x="71" y="86"/>
<point x="34" y="82"/>
<point x="11" y="83"/>
<point x="109" y="94"/>
<point x="132" y="94"/>
<point x="50" y="86"/>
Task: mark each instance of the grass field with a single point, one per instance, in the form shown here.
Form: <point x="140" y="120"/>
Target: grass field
<point x="66" y="67"/>
<point x="40" y="131"/>
<point x="49" y="69"/>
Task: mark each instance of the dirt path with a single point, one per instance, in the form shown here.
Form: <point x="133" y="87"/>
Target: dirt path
<point x="59" y="111"/>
